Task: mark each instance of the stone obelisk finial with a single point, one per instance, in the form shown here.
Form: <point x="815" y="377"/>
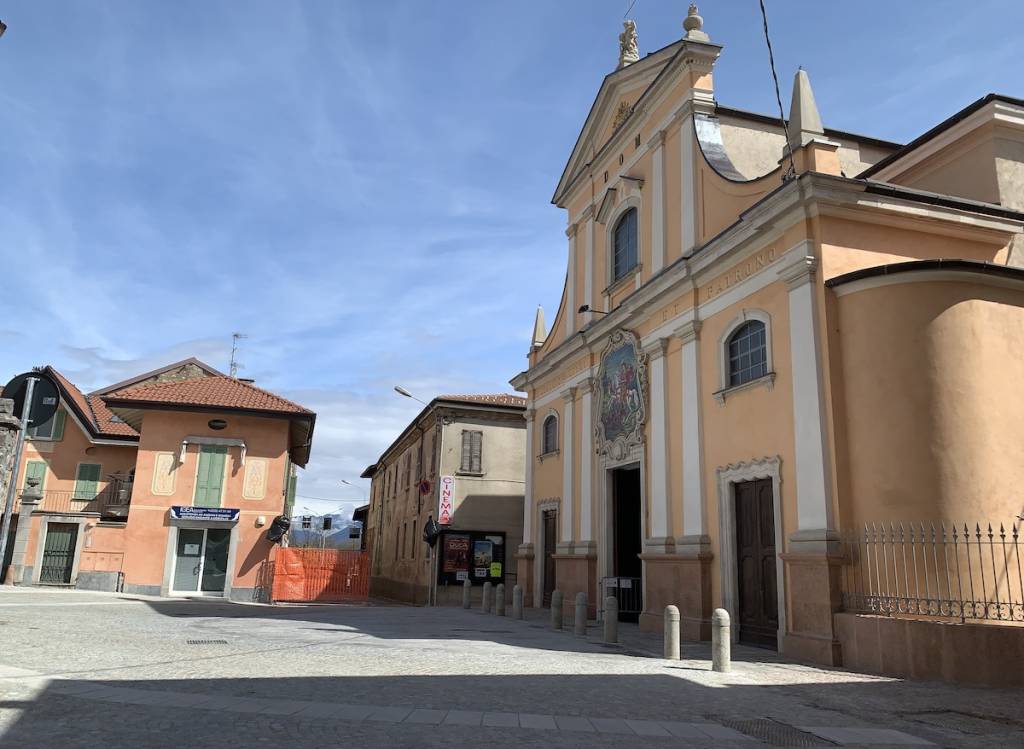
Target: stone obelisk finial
<point x="540" y="331"/>
<point x="694" y="25"/>
<point x="629" y="50"/>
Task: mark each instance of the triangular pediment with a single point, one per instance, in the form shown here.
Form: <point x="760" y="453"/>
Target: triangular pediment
<point x="619" y="93"/>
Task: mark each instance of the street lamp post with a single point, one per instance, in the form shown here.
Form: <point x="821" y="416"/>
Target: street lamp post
<point x="360" y="489"/>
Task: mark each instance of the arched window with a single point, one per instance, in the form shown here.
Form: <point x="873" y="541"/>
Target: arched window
<point x="624" y="255"/>
<point x="748" y="353"/>
<point x="549" y="442"/>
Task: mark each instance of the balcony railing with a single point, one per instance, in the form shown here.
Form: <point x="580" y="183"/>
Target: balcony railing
<point x="111" y="503"/>
<point x="965" y="572"/>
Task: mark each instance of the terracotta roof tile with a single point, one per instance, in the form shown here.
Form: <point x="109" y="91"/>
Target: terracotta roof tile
<point x="215" y="392"/>
<point x="105" y="421"/>
<point x="90" y="409"/>
<point x="494" y="399"/>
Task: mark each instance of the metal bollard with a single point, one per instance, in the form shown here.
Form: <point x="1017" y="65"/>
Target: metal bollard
<point x="721" y="641"/>
<point x="556" y="610"/>
<point x="579" y="622"/>
<point x="611" y="619"/>
<point x="671" y="633"/>
<point x="499" y="599"/>
<point x="485" y="599"/>
<point x="517" y="602"/>
<point x="467" y="591"/>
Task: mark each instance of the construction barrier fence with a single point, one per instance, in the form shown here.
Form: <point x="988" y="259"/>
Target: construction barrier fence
<point x="321" y="575"/>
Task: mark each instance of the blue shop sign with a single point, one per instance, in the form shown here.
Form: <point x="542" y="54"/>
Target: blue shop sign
<point x="220" y="514"/>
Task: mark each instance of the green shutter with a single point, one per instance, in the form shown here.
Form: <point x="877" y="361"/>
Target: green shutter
<point x="35" y="469"/>
<point x="87" y="482"/>
<point x="58" y="425"/>
<point x="290" y="500"/>
<point x="210" y="476"/>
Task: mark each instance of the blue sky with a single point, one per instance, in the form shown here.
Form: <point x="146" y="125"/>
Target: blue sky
<point x="363" y="188"/>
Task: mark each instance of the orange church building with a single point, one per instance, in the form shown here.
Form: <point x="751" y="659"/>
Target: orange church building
<point x="781" y="349"/>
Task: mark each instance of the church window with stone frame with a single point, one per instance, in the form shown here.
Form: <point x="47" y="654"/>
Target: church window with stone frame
<point x="624" y="239"/>
<point x="549" y="439"/>
<point x="748" y="353"/>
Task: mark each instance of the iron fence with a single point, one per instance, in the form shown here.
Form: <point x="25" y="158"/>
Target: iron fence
<point x="936" y="571"/>
<point x="112" y="502"/>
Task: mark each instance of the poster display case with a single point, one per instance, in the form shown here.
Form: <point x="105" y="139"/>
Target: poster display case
<point x="477" y="556"/>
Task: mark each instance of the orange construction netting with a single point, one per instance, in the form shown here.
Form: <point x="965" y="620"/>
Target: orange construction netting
<point x="321" y="575"/>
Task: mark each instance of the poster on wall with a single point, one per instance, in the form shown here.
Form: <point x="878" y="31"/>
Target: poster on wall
<point x="455" y="554"/>
<point x="483" y="553"/>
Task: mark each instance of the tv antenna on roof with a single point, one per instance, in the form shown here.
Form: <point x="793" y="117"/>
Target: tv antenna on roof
<point x="235" y="364"/>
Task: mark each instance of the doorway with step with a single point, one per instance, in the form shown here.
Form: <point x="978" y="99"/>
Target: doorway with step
<point x="627" y="541"/>
<point x="201" y="561"/>
<point x="757" y="586"/>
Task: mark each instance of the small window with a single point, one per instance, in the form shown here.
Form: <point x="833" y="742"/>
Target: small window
<point x="472" y="449"/>
<point x="307" y="522"/>
<point x="52" y="429"/>
<point x="328" y="522"/>
<point x="624" y="239"/>
<point x="549" y="442"/>
<point x="748" y="353"/>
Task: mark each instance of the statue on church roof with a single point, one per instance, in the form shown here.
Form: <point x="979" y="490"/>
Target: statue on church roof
<point x="629" y="50"/>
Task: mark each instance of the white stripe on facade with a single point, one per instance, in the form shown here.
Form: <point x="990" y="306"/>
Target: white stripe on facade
<point x="661" y="508"/>
<point x="693" y="452"/>
<point x="656" y="145"/>
<point x="687" y="212"/>
<point x="528" y="489"/>
<point x="570" y="284"/>
<point x="586" y="463"/>
<point x="565" y="513"/>
<point x="588" y="263"/>
<point x="814" y="508"/>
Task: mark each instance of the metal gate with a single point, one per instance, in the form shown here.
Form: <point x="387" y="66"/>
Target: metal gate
<point x="321" y="575"/>
<point x="58" y="553"/>
<point x="628" y="591"/>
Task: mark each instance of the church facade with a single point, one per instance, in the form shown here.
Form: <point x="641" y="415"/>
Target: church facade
<point x="770" y="336"/>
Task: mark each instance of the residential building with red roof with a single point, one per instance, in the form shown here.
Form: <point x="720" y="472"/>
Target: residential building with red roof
<point x="163" y="484"/>
<point x="461" y="463"/>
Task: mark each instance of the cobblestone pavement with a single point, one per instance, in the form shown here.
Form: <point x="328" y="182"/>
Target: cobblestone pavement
<point x="87" y="669"/>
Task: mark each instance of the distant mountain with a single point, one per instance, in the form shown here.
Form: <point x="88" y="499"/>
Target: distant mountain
<point x="342" y="533"/>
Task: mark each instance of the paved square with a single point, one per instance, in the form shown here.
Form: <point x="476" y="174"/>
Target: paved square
<point x="87" y="669"/>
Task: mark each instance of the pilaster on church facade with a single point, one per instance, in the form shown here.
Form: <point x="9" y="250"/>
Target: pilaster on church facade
<point x="719" y="346"/>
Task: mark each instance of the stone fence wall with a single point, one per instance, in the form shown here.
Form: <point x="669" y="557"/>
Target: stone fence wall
<point x="9" y="426"/>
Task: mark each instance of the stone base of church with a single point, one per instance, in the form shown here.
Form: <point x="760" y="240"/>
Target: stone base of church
<point x="577" y="573"/>
<point x="524" y="572"/>
<point x="814" y="582"/>
<point x="682" y="580"/>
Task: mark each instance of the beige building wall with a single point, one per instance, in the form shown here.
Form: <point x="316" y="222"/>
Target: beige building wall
<point x="492" y="500"/>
